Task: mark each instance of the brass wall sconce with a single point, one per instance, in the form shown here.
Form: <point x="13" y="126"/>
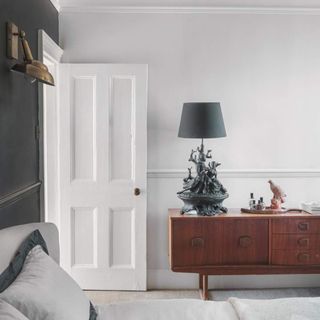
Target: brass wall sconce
<point x="32" y="68"/>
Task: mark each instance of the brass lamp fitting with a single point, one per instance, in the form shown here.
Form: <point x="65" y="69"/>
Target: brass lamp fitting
<point x="30" y="67"/>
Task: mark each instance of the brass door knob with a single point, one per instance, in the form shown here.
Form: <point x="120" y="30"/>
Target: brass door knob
<point x="136" y="191"/>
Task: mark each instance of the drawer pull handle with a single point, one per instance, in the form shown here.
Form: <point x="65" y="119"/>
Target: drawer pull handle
<point x="303" y="257"/>
<point x="197" y="243"/>
<point x="303" y="226"/>
<point x="245" y="241"/>
<point x="303" y="242"/>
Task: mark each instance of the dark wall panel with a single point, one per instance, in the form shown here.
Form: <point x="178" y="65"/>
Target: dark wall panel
<point x="15" y="213"/>
<point x="19" y="148"/>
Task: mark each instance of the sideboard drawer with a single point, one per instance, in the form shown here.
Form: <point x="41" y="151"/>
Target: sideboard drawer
<point x="294" y="225"/>
<point x="196" y="242"/>
<point x="295" y="241"/>
<point x="295" y="257"/>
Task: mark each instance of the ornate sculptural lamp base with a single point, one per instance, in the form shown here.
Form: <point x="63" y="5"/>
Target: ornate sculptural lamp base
<point x="202" y="204"/>
<point x="203" y="193"/>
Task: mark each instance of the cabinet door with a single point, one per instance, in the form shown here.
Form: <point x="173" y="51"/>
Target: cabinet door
<point x="245" y="242"/>
<point x="196" y="242"/>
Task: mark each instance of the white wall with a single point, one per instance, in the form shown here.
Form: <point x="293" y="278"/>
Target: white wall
<point x="265" y="71"/>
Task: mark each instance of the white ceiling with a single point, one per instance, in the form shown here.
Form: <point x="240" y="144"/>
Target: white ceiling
<point x="60" y="4"/>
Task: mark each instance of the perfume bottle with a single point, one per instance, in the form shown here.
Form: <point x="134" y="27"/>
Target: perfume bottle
<point x="259" y="207"/>
<point x="262" y="204"/>
<point x="251" y="201"/>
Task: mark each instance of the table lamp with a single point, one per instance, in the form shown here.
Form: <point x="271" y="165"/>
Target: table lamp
<point x="203" y="193"/>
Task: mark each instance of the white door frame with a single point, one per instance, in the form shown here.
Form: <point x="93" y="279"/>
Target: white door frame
<point x="49" y="155"/>
<point x="49" y="53"/>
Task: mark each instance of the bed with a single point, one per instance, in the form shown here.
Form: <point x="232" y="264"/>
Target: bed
<point x="187" y="309"/>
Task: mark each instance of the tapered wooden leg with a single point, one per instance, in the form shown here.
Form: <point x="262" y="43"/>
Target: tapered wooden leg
<point x="203" y="286"/>
<point x="200" y="281"/>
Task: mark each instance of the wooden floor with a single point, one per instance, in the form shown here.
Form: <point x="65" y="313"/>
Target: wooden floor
<point x="104" y="297"/>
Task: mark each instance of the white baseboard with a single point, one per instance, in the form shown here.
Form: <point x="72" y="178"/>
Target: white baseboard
<point x="166" y="279"/>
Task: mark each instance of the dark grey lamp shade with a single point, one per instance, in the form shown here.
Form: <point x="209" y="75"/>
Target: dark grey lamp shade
<point x="201" y="120"/>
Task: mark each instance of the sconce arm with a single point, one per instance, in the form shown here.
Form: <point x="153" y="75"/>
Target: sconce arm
<point x="25" y="45"/>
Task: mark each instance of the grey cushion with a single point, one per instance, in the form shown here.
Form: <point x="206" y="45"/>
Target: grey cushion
<point x="16" y="265"/>
<point x="11" y="239"/>
<point x="44" y="291"/>
<point x="8" y="312"/>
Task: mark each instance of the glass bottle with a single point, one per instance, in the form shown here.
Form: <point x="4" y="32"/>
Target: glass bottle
<point x="258" y="207"/>
<point x="251" y="201"/>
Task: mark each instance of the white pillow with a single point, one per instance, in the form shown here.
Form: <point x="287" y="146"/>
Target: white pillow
<point x="44" y="291"/>
<point x="8" y="312"/>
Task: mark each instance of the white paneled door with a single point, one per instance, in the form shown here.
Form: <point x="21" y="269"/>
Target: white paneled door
<point x="103" y="162"/>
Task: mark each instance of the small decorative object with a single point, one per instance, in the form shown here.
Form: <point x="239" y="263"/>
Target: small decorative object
<point x="312" y="207"/>
<point x="276" y="203"/>
<point x="259" y="206"/>
<point x="268" y="210"/>
<point x="203" y="193"/>
<point x="251" y="201"/>
<point x="278" y="196"/>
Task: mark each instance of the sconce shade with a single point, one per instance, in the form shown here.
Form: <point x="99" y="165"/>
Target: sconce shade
<point x="35" y="69"/>
<point x="201" y="120"/>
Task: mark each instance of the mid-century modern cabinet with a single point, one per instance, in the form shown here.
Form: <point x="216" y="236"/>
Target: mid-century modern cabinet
<point x="238" y="243"/>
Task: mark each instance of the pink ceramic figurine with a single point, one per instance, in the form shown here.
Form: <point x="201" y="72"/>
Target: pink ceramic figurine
<point x="278" y="196"/>
<point x="275" y="204"/>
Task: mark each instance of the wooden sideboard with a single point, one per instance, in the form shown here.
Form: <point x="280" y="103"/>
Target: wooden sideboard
<point x="238" y="243"/>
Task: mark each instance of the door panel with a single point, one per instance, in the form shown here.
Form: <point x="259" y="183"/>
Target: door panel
<point x="121" y="237"/>
<point x="102" y="159"/>
<point x="83" y="239"/>
<point x="122" y="112"/>
<point x="83" y="126"/>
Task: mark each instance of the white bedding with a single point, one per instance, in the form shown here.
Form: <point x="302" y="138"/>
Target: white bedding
<point x="277" y="309"/>
<point x="233" y="309"/>
<point x="184" y="309"/>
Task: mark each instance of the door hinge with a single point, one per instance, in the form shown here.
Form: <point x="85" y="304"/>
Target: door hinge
<point x="37" y="132"/>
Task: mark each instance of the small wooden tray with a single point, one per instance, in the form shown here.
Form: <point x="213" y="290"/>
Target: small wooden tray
<point x="270" y="211"/>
